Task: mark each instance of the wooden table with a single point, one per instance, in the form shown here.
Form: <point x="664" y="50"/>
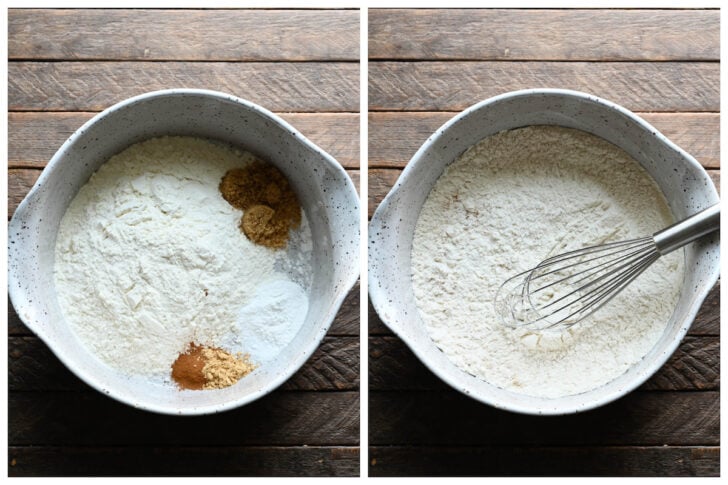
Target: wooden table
<point x="65" y="65"/>
<point x="427" y="65"/>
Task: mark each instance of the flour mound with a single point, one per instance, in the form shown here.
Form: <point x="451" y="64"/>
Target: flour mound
<point x="503" y="206"/>
<point x="149" y="256"/>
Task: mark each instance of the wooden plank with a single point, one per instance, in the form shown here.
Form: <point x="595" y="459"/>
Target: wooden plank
<point x="510" y="34"/>
<point x="33" y="137"/>
<point x="395" y="137"/>
<point x="453" y="86"/>
<point x="715" y="177"/>
<point x="84" y="86"/>
<point x="707" y="321"/>
<point x="21" y="180"/>
<point x="589" y="461"/>
<point x="355" y="176"/>
<point x="381" y="181"/>
<point x="347" y="320"/>
<point x="375" y="325"/>
<point x="92" y="419"/>
<point x="334" y="366"/>
<point x="449" y="418"/>
<point x="240" y="461"/>
<point x="695" y="366"/>
<point x="15" y="325"/>
<point x="220" y="35"/>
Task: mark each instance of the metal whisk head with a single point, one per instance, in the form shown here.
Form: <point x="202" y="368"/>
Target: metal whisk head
<point x="563" y="290"/>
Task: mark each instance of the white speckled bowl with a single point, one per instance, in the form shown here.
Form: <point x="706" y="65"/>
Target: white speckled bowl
<point x="326" y="193"/>
<point x="686" y="185"/>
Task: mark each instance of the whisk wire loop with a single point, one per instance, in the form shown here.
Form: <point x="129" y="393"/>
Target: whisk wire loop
<point x="563" y="290"/>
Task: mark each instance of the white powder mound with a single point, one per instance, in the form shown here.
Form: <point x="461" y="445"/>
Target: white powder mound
<point x="149" y="256"/>
<point x="507" y="203"/>
<point x="271" y="320"/>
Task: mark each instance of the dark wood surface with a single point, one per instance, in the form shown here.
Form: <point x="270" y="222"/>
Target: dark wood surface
<point x="425" y="66"/>
<point x="65" y="65"/>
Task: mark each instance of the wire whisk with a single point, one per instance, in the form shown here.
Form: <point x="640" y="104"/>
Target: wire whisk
<point x="563" y="290"/>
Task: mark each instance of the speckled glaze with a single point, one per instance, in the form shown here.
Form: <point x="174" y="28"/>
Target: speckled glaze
<point x="685" y="184"/>
<point x="324" y="189"/>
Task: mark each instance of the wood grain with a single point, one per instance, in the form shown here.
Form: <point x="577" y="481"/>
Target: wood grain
<point x="707" y="321"/>
<point x="219" y="35"/>
<point x="241" y="461"/>
<point x="281" y="418"/>
<point x="84" y="86"/>
<point x="395" y="137"/>
<point x="539" y="35"/>
<point x="374" y="322"/>
<point x="347" y="319"/>
<point x="588" y="461"/>
<point x="20" y="181"/>
<point x="715" y="177"/>
<point x="450" y="418"/>
<point x="381" y="181"/>
<point x="334" y="366"/>
<point x="694" y="366"/>
<point x="453" y="86"/>
<point x="33" y="137"/>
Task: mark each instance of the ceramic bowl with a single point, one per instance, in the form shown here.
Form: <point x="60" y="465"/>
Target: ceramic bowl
<point x="687" y="187"/>
<point x="324" y="189"/>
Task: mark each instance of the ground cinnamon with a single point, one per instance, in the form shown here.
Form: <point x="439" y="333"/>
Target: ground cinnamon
<point x="269" y="204"/>
<point x="187" y="369"/>
<point x="201" y="367"/>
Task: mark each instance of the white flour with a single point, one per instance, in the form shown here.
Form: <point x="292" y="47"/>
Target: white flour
<point x="502" y="207"/>
<point x="149" y="256"/>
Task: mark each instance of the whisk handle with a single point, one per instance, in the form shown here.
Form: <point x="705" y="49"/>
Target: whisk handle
<point x="688" y="230"/>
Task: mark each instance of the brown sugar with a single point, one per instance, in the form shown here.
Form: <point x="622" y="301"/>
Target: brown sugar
<point x="261" y="226"/>
<point x="270" y="207"/>
<point x="201" y="367"/>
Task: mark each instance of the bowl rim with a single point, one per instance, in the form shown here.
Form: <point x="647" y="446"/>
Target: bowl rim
<point x="349" y="277"/>
<point x="380" y="302"/>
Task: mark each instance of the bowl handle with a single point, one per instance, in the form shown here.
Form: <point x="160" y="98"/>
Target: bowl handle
<point x="23" y="260"/>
